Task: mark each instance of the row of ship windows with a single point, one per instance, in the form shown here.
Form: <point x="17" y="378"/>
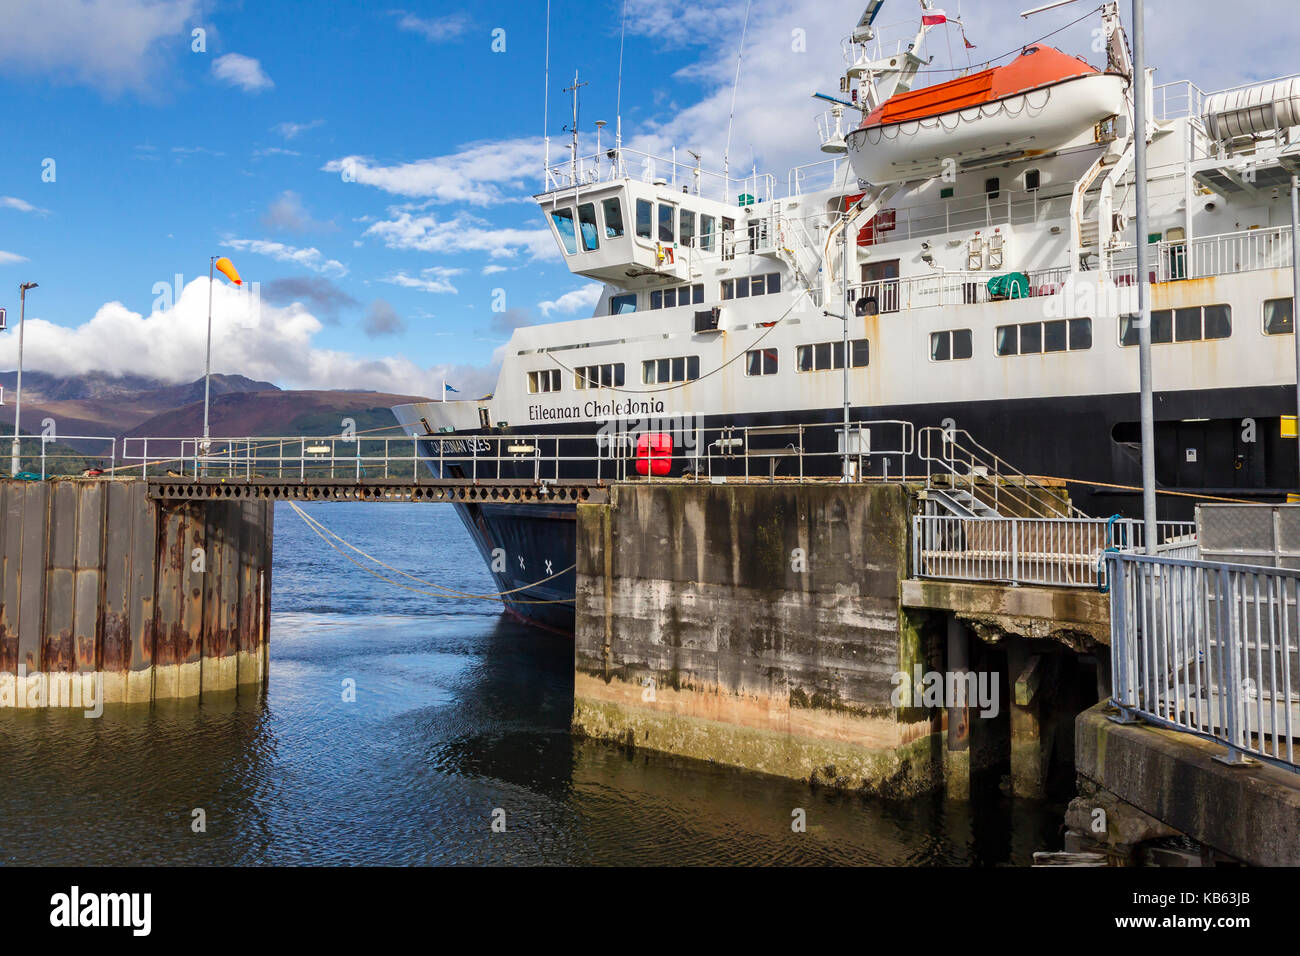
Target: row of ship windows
<point x="666" y="224"/>
<point x="742" y="287"/>
<point x="682" y="368"/>
<point x="823" y="356"/>
<point x="1193" y="324"/>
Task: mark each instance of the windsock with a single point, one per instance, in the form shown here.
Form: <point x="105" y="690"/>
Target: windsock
<point x="227" y="269"/>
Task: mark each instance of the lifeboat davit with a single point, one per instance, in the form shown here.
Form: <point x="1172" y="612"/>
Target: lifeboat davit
<point x="1038" y="102"/>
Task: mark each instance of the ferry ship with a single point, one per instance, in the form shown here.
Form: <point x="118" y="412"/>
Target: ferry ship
<point x="988" y="283"/>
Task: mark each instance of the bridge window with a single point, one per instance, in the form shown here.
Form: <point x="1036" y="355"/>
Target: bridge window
<point x="952" y="344"/>
<point x="760" y="362"/>
<point x="744" y="286"/>
<point x="622" y="304"/>
<point x="664" y="371"/>
<point x="547" y="380"/>
<point x="686" y="227"/>
<point x="613" y="211"/>
<point x="587" y="221"/>
<point x="728" y="238"/>
<point x="643" y="213"/>
<point x="826" y="356"/>
<point x="1031" y="338"/>
<point x="563" y="219"/>
<point x="609" y="375"/>
<point x="666" y="222"/>
<point x="1194" y="324"/>
<point x="708" y="226"/>
<point x="1278" y="317"/>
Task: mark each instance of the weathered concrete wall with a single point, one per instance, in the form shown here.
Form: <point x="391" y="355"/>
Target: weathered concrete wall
<point x="699" y="632"/>
<point x="145" y="599"/>
<point x="1079" y="618"/>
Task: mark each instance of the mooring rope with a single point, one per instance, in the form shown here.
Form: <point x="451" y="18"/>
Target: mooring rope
<point x="325" y="534"/>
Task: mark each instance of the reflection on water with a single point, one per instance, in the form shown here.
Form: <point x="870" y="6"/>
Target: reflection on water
<point x="458" y="712"/>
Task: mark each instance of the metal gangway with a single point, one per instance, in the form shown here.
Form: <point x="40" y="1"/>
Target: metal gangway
<point x="1051" y="552"/>
<point x="463" y="467"/>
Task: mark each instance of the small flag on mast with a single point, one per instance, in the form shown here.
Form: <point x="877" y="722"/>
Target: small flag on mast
<point x="932" y="18"/>
<point x="448" y="388"/>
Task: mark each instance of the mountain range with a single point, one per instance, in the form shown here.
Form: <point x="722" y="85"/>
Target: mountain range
<point x="87" y="409"/>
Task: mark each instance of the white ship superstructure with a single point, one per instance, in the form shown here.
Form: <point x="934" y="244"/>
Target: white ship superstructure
<point x="991" y="279"/>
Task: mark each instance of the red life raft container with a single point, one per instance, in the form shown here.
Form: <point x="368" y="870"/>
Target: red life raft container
<point x="654" y="453"/>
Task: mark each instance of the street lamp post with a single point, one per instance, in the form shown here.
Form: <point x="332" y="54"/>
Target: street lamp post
<point x="1295" y="282"/>
<point x="18" y="402"/>
<point x="1146" y="402"/>
<point x="207" y="368"/>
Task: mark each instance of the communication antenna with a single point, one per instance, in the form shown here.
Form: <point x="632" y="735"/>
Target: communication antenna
<point x="726" y="154"/>
<point x="546" y="102"/>
<point x="574" y="128"/>
<point x="618" y="99"/>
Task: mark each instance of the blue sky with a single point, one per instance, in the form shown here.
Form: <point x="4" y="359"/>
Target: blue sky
<point x="165" y="156"/>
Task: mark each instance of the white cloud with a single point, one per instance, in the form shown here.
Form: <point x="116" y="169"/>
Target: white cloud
<point x="110" y="45"/>
<point x="462" y="233"/>
<point x="435" y="29"/>
<point x="569" y="303"/>
<point x="480" y="173"/>
<point x="433" y="279"/>
<point x="309" y="258"/>
<point x="294" y="130"/>
<point x="235" y="69"/>
<point x="169" y="345"/>
<point x="10" y="258"/>
<point x="493" y="269"/>
<point x="13" y="202"/>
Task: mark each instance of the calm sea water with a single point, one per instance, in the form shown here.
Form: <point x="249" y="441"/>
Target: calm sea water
<point x="458" y="713"/>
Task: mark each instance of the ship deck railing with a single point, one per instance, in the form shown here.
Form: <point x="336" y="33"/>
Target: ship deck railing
<point x="1169" y="261"/>
<point x="622" y="163"/>
<point x="1210" y="649"/>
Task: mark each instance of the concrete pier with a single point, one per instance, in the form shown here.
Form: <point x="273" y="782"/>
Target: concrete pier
<point x="108" y="594"/>
<point x="755" y="625"/>
<point x="1139" y="783"/>
<point x="774" y="627"/>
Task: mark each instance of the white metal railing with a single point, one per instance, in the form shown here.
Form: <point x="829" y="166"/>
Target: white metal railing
<point x="1204" y="256"/>
<point x="626" y="163"/>
<point x="878" y="450"/>
<point x="951" y="289"/>
<point x="1058" y="552"/>
<point x="956" y="461"/>
<point x="1208" y="648"/>
<point x="1177" y="99"/>
<point x="48" y="455"/>
<point x="815" y="177"/>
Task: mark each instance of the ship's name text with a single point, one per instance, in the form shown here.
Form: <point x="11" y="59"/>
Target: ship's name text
<point x="544" y="413"/>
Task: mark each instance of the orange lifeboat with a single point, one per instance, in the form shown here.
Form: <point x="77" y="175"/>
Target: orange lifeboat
<point x="1040" y="101"/>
